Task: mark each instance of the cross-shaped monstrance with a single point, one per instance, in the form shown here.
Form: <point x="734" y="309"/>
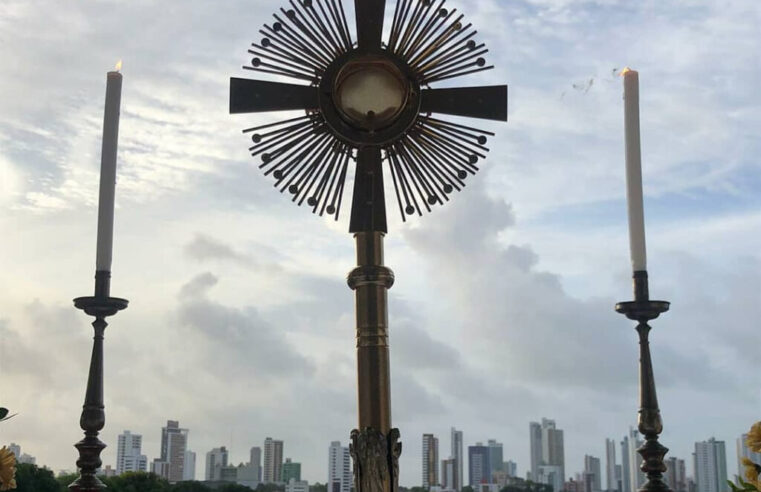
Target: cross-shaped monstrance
<point x="368" y="101"/>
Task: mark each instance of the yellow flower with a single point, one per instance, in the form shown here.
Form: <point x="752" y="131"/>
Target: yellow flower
<point x="7" y="469"/>
<point x="751" y="473"/>
<point x="754" y="438"/>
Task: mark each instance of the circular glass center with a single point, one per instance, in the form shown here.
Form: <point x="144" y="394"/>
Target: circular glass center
<point x="370" y="94"/>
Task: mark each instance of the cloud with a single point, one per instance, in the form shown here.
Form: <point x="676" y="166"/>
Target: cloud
<point x="521" y="319"/>
<point x="236" y="340"/>
<point x="502" y="311"/>
<point x="203" y="248"/>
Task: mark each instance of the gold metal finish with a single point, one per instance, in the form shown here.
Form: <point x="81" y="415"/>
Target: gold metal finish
<point x="370" y="282"/>
<point x="375" y="446"/>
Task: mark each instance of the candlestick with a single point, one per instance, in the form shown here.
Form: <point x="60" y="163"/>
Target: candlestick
<point x="108" y="170"/>
<point x="634" y="171"/>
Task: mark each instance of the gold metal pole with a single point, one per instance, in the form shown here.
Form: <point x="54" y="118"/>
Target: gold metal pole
<point x="375" y="446"/>
<point x="371" y="281"/>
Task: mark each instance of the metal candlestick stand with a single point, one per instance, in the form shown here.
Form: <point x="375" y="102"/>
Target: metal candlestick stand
<point x="93" y="418"/>
<point x="643" y="310"/>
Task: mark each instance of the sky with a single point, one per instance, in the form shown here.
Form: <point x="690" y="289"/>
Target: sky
<point x="240" y="323"/>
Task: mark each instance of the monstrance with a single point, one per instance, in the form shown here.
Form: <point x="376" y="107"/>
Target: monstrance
<point x="369" y="107"/>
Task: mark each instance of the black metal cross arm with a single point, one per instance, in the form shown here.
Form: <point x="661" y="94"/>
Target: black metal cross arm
<point x="489" y="103"/>
<point x="369" y="22"/>
<point x="254" y="96"/>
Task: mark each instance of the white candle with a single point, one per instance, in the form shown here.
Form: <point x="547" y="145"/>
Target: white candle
<point x="108" y="170"/>
<point x="634" y="171"/>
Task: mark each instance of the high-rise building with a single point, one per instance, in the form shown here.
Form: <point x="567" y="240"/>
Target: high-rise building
<point x="457" y="454"/>
<point x="273" y="460"/>
<point x="710" y="460"/>
<point x="535" y="443"/>
<point x="510" y="468"/>
<point x="21" y="458"/>
<point x="676" y="475"/>
<point x="547" y="450"/>
<point x="215" y="460"/>
<point x="189" y="469"/>
<point x="339" y="468"/>
<point x="478" y="465"/>
<point x="743" y="451"/>
<point x="448" y="474"/>
<point x="592" y="473"/>
<point x="160" y="468"/>
<point x="255" y="461"/>
<point x="15" y="449"/>
<point x="291" y="470"/>
<point x="625" y="474"/>
<point x="241" y="474"/>
<point x="551" y="475"/>
<point x="495" y="457"/>
<point x="174" y="442"/>
<point x="249" y="475"/>
<point x="430" y="461"/>
<point x="611" y="485"/>
<point x="129" y="457"/>
<point x="633" y="478"/>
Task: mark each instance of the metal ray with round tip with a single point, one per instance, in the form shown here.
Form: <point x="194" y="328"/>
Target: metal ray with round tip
<point x="369" y="109"/>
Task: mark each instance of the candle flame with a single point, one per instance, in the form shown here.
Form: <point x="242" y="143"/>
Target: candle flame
<point x="625" y="71"/>
<point x="118" y="65"/>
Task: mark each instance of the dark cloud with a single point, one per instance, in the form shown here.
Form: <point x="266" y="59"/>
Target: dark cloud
<point x="414" y="348"/>
<point x="237" y="339"/>
<point x="203" y="248"/>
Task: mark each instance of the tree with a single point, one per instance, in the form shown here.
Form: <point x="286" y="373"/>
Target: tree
<point x="527" y="486"/>
<point x="234" y="487"/>
<point x="467" y="488"/>
<point x="270" y="487"/>
<point x="31" y="478"/>
<point x="137" y="482"/>
<point x="65" y="480"/>
<point x="318" y="487"/>
<point x="190" y="486"/>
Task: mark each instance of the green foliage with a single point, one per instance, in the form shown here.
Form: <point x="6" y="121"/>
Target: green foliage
<point x="318" y="487"/>
<point x="527" y="486"/>
<point x="31" y="478"/>
<point x="418" y="489"/>
<point x="744" y="486"/>
<point x="137" y="482"/>
<point x="467" y="488"/>
<point x="270" y="487"/>
<point x="65" y="480"/>
<point x="234" y="487"/>
<point x="190" y="487"/>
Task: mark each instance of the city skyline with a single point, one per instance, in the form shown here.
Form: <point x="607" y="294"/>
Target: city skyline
<point x="502" y="307"/>
<point x="710" y="456"/>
